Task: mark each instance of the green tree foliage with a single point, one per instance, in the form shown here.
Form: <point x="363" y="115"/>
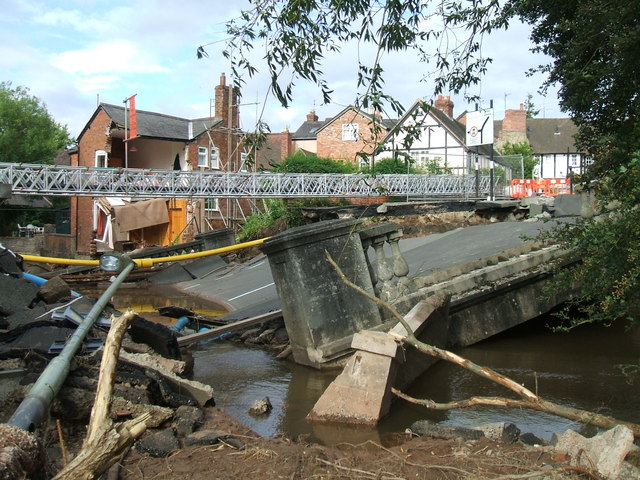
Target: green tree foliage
<point x="300" y="162"/>
<point x="301" y="34"/>
<point x="609" y="270"/>
<point x="593" y="45"/>
<point x="530" y="107"/>
<point x="28" y="133"/>
<point x="389" y="166"/>
<point x="522" y="148"/>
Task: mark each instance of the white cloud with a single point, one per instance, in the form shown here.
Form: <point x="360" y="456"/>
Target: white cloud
<point x="116" y="56"/>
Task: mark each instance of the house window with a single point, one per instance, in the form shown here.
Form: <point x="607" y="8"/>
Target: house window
<point x="203" y="156"/>
<point x="101" y="159"/>
<point x="211" y="205"/>
<point x="573" y="161"/>
<point x="215" y="157"/>
<point x="349" y="132"/>
<point x="420" y="157"/>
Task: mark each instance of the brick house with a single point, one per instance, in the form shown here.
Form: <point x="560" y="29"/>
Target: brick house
<point x="162" y="142"/>
<point x="342" y="137"/>
<point x="552" y="140"/>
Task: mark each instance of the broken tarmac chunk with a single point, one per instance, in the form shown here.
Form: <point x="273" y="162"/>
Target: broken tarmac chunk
<point x="160" y="444"/>
<point x="205" y="437"/>
<point x="16" y="294"/>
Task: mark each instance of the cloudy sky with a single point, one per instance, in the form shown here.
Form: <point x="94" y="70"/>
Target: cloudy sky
<point x="73" y="54"/>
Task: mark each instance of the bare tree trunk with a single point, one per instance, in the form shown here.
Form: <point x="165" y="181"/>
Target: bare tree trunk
<point x="105" y="443"/>
<point x="528" y="400"/>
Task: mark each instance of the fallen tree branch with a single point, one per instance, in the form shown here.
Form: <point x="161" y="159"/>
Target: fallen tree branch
<point x="529" y="399"/>
<point x="105" y="443"/>
<point x="541" y="405"/>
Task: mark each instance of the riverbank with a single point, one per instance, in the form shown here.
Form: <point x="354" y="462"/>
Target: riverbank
<point x="399" y="456"/>
<point x="227" y="449"/>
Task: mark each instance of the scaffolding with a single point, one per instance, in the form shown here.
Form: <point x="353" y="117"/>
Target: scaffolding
<point x="54" y="180"/>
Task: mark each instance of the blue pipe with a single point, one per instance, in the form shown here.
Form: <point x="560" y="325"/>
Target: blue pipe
<point x="180" y="324"/>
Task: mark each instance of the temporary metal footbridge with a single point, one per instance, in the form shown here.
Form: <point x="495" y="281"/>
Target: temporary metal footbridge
<point x="31" y="179"/>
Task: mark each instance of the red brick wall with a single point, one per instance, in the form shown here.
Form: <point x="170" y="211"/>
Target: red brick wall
<point x="94" y="138"/>
<point x="331" y="145"/>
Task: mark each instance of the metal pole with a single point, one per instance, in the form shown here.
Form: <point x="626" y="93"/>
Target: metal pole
<point x="477" y="174"/>
<point x="35" y="405"/>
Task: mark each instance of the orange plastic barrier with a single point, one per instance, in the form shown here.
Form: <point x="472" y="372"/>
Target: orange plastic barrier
<point x="551" y="187"/>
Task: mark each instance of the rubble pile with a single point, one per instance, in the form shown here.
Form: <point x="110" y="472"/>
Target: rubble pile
<point x="151" y="376"/>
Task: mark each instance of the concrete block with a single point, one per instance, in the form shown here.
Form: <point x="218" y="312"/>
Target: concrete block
<point x="375" y="342"/>
<point x="567" y="205"/>
<point x="361" y="394"/>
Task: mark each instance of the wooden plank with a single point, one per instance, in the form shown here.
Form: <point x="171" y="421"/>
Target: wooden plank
<point x="231" y="327"/>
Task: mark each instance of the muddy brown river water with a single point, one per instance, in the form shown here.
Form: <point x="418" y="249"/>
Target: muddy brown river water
<point x="578" y="369"/>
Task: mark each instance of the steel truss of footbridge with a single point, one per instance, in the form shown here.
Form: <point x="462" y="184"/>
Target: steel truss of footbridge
<point x="31" y="179"/>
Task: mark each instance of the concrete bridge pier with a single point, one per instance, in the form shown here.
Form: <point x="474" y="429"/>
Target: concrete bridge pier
<point x="321" y="313"/>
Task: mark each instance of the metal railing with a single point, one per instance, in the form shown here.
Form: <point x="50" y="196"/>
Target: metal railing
<point x="31" y="179"/>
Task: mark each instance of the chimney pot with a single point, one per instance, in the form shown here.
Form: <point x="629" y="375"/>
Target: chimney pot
<point x="445" y="105"/>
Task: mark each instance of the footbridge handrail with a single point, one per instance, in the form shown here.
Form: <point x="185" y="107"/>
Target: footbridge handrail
<point x="32" y="179"/>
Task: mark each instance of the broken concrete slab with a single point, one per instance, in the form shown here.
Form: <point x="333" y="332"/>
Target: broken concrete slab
<point x="200" y="392"/>
<point x="604" y="453"/>
<point x="361" y="394"/>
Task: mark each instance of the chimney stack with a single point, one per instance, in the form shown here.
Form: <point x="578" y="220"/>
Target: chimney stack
<point x="312" y="117"/>
<point x="515" y="120"/>
<point x="445" y="105"/>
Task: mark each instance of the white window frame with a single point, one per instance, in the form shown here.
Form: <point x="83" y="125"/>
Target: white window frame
<point x="243" y="162"/>
<point x="101" y="154"/>
<point x="214" y="157"/>
<point x="350" y="132"/>
<point x="203" y="156"/>
<point x="211" y="204"/>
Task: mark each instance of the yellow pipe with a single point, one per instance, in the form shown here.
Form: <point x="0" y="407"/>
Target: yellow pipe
<point x="62" y="261"/>
<point x="146" y="262"/>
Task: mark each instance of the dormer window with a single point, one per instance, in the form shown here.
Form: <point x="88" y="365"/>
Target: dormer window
<point x="557" y="132"/>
